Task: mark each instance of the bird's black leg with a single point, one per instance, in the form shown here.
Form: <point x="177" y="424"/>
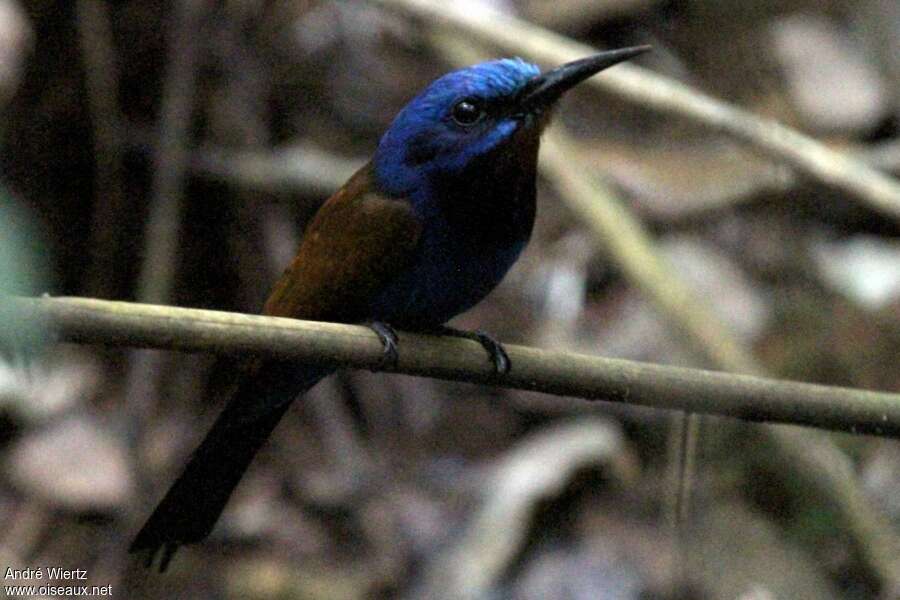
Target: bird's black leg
<point x="389" y="340"/>
<point x="494" y="348"/>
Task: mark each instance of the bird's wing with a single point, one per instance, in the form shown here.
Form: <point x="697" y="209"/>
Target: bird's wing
<point x="355" y="243"/>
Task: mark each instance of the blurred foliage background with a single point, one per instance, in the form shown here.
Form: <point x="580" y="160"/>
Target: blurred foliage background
<point x="173" y="151"/>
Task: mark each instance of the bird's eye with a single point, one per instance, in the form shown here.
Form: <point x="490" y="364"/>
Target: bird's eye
<point x="467" y="112"/>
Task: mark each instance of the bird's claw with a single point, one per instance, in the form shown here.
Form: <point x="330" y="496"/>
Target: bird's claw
<point x="496" y="351"/>
<point x="389" y="341"/>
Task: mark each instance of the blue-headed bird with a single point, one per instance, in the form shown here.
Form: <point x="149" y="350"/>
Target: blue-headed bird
<point x="418" y="235"/>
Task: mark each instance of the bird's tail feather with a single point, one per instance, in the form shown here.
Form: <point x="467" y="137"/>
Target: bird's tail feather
<point x="193" y="504"/>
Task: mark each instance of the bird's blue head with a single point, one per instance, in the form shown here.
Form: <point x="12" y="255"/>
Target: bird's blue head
<point x="471" y="112"/>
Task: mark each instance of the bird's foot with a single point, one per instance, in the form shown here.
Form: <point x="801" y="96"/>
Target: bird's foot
<point x="496" y="351"/>
<point x="389" y="341"/>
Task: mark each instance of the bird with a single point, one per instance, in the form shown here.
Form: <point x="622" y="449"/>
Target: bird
<point x="419" y="234"/>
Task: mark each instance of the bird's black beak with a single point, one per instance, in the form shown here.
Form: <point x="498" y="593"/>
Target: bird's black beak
<point x="545" y="89"/>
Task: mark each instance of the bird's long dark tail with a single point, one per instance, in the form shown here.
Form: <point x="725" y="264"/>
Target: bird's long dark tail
<point x="193" y="504"/>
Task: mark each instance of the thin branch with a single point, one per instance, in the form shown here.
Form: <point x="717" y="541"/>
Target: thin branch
<point x="89" y="321"/>
<point x="171" y="157"/>
<point x="666" y="95"/>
